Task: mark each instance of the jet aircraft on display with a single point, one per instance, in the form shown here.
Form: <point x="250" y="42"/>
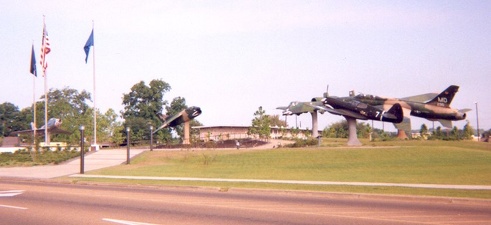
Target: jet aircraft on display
<point x="434" y="107"/>
<point x="185" y="115"/>
<point x="54" y="125"/>
<point x="353" y="108"/>
<point x="349" y="107"/>
<point x="297" y="108"/>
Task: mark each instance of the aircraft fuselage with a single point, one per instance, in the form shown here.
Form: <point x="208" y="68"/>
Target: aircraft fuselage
<point x="349" y="106"/>
<point x="418" y="109"/>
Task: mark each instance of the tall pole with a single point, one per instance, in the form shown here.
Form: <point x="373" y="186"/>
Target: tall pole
<point x="95" y="109"/>
<point x="82" y="151"/>
<point x="127" y="145"/>
<point x="46" y="136"/>
<point x="151" y="138"/>
<point x="477" y="118"/>
<point x="34" y="110"/>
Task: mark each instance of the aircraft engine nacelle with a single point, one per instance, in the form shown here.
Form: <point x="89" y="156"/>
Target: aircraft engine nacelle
<point x="460" y="116"/>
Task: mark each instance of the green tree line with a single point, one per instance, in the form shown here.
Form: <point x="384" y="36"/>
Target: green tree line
<point x="142" y="107"/>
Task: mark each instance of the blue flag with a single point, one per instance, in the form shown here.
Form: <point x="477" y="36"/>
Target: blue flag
<point x="90" y="42"/>
<point x="33" y="63"/>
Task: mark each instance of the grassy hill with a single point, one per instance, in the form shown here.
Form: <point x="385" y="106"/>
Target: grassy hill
<point x="428" y="162"/>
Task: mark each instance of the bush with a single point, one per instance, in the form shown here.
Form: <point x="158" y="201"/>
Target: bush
<point x="31" y="158"/>
<point x="303" y="143"/>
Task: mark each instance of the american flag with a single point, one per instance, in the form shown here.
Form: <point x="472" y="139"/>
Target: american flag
<point x="45" y="49"/>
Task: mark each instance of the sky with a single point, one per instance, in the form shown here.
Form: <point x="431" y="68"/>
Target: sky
<point x="231" y="57"/>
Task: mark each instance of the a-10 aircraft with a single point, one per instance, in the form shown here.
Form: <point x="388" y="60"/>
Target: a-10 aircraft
<point x="434" y="107"/>
<point x="181" y="117"/>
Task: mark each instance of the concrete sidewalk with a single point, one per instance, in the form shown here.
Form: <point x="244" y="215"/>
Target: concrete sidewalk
<point x="93" y="161"/>
<point x="370" y="184"/>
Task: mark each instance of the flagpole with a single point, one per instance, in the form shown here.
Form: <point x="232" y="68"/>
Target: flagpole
<point x="96" y="148"/>
<point x="46" y="136"/>
<point x="34" y="72"/>
<point x="34" y="109"/>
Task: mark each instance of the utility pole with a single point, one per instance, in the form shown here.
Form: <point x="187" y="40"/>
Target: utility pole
<point x="477" y="118"/>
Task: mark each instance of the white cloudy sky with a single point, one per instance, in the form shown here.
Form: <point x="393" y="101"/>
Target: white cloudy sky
<point x="230" y="57"/>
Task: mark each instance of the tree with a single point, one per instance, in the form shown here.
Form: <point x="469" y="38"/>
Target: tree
<point x="10" y="119"/>
<point x="276" y="121"/>
<point x="261" y="124"/>
<point x="437" y="134"/>
<point x="329" y="132"/>
<point x="71" y="107"/>
<point x="363" y="130"/>
<point x="142" y="105"/>
<point x="109" y="128"/>
<point x="340" y="130"/>
<point x="67" y="104"/>
<point x="468" y="131"/>
<point x="485" y="136"/>
<point x="423" y="131"/>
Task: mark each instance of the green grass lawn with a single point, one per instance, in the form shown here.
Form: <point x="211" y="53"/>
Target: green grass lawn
<point x="429" y="162"/>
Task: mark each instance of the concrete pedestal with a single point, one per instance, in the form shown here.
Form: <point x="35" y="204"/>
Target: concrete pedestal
<point x="186" y="140"/>
<point x="352" y="136"/>
<point x="315" y="126"/>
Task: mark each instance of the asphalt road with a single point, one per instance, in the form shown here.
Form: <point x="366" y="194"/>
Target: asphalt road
<point x="43" y="202"/>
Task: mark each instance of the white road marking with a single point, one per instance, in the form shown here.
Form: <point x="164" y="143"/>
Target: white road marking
<point x="126" y="222"/>
<point x="12" y="207"/>
<point x="11" y="193"/>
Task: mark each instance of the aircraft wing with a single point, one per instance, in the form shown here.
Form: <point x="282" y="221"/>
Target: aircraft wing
<point x="52" y="130"/>
<point x="301" y="107"/>
<point x="57" y="130"/>
<point x="342" y="112"/>
<point x="15" y="133"/>
<point x="168" y="121"/>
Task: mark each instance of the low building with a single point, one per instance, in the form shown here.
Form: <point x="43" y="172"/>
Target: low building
<point x="218" y="133"/>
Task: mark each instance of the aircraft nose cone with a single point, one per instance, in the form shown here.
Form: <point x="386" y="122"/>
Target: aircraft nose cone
<point x="196" y="111"/>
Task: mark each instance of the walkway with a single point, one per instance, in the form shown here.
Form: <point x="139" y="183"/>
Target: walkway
<point x="93" y="161"/>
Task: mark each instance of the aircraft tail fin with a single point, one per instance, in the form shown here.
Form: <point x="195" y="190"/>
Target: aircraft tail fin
<point x="445" y="98"/>
<point x="326" y="94"/>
